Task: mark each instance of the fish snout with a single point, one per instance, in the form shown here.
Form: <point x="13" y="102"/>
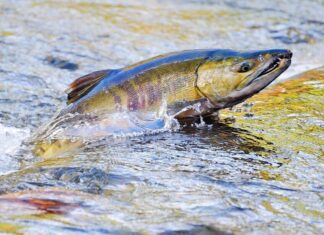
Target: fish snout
<point x="287" y="54"/>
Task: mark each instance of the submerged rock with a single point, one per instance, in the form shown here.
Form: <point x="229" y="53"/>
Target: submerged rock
<point x="197" y="230"/>
<point x="93" y="179"/>
<point x="70" y="210"/>
<point x="292" y="35"/>
<point x="61" y="63"/>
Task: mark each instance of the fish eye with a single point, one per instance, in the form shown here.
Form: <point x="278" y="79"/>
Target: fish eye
<point x="245" y="67"/>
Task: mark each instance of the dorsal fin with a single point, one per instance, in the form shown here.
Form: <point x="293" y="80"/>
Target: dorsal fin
<point x="83" y="85"/>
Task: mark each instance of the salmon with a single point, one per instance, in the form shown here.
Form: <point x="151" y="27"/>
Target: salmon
<point x="211" y="79"/>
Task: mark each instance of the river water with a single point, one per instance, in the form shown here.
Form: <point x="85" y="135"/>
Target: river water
<point x="258" y="171"/>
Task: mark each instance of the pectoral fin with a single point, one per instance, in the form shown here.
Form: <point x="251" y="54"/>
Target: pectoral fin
<point x="83" y="85"/>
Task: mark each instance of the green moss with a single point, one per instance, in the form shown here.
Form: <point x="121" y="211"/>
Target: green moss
<point x="288" y="114"/>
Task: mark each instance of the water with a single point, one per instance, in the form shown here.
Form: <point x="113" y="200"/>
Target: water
<point x="260" y="170"/>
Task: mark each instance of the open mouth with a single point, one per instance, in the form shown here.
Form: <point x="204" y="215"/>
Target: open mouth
<point x="274" y="64"/>
<point x="271" y="66"/>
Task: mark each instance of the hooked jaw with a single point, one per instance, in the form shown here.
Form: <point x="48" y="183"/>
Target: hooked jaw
<point x="278" y="61"/>
<point x="268" y="72"/>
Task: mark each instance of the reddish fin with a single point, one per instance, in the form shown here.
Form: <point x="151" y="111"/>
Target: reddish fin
<point x="83" y="85"/>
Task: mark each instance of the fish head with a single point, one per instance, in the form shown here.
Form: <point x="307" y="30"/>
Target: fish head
<point x="230" y="77"/>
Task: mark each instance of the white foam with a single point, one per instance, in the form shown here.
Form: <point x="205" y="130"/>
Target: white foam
<point x="10" y="141"/>
<point x="119" y="124"/>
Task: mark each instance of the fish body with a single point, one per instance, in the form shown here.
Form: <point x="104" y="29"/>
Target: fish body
<point x="183" y="85"/>
<point x="145" y="86"/>
<point x="142" y="98"/>
<point x="211" y="79"/>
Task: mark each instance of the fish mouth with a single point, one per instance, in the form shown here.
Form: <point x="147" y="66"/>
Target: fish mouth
<point x="260" y="78"/>
<point x="279" y="62"/>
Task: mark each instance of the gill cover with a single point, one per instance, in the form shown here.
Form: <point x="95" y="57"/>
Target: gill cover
<point x="216" y="76"/>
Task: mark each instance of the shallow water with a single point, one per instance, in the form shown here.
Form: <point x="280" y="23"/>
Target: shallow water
<point x="260" y="170"/>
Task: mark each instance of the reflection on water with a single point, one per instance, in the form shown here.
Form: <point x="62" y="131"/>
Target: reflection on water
<point x="205" y="176"/>
<point x="258" y="170"/>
